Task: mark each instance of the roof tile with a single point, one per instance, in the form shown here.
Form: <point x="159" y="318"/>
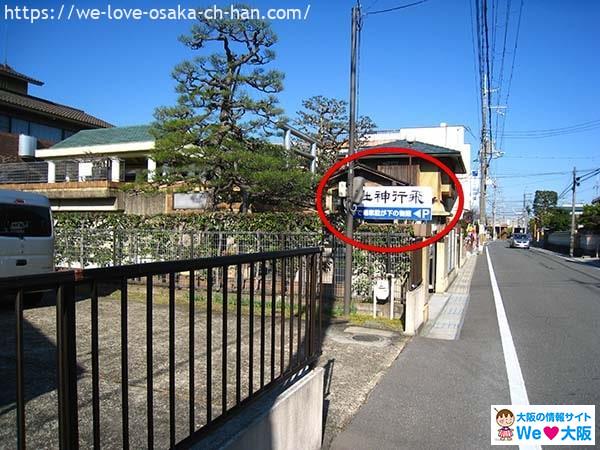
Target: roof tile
<point x="6" y="70"/>
<point x="107" y="136"/>
<point x="46" y="107"/>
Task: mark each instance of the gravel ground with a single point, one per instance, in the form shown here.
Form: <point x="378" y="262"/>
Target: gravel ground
<point x="352" y="370"/>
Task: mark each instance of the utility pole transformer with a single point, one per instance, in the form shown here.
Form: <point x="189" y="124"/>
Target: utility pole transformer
<point x="351" y="149"/>
<point x="573" y="231"/>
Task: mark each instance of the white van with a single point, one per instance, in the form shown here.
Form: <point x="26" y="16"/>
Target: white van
<point x="26" y="234"/>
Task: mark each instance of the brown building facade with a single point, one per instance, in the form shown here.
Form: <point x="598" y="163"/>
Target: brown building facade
<point x="44" y="121"/>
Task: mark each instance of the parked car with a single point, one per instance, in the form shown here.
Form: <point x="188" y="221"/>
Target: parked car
<point x="520" y="240"/>
<point x="26" y="237"/>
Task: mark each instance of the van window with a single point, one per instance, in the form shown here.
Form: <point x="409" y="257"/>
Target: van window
<point x="25" y="220"/>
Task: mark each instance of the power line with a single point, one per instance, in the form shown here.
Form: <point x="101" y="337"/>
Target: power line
<point x="587" y="189"/>
<point x="564" y="192"/>
<point x="589" y="175"/>
<point x="551" y="157"/>
<point x="506" y="22"/>
<point x="475" y="66"/>
<point x="551" y="132"/>
<point x="373" y="3"/>
<point x="512" y="69"/>
<point x="494" y="14"/>
<point x="542" y="174"/>
<point x="546" y="130"/>
<point x="586" y="176"/>
<point x="487" y="71"/>
<point x="396" y="8"/>
<point x="483" y="64"/>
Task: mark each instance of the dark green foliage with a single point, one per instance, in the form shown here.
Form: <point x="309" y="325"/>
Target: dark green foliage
<point x="215" y="136"/>
<point x="386" y="228"/>
<point x="557" y="220"/>
<point x="225" y="95"/>
<point x="543" y="202"/>
<point x="590" y="218"/>
<point x="258" y="175"/>
<point x="210" y="221"/>
<point x="326" y="120"/>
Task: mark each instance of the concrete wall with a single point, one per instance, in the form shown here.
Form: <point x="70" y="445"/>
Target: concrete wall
<point x="586" y="243"/>
<point x="425" y="283"/>
<point x="417" y="310"/>
<point x="142" y="204"/>
<point x="293" y="420"/>
<point x="441" y="276"/>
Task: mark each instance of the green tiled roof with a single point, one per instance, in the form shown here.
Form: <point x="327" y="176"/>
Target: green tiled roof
<point x="107" y="136"/>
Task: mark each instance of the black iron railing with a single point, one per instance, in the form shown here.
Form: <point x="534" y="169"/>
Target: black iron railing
<point x="233" y="303"/>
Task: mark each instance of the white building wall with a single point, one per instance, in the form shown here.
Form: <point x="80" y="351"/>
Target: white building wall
<point x="452" y="137"/>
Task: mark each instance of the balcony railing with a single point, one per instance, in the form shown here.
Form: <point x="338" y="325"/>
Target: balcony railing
<point x="64" y="171"/>
<point x="24" y="173"/>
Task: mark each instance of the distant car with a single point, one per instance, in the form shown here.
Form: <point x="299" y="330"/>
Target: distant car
<point x="520" y="240"/>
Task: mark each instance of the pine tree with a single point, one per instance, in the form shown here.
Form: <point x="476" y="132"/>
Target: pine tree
<point x="326" y="120"/>
<point x="215" y="136"/>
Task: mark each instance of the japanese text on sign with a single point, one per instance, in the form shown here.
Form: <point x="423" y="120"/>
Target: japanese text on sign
<point x="397" y="196"/>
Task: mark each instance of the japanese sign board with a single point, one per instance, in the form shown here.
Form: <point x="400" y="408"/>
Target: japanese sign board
<point x="395" y="203"/>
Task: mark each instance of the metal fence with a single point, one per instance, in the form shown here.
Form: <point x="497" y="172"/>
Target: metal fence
<point x="368" y="265"/>
<point x="85" y="248"/>
<point x="25" y="172"/>
<point x="97" y="169"/>
<point x="231" y="348"/>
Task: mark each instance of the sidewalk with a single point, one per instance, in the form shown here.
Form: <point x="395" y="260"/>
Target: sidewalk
<point x="355" y="359"/>
<point x="433" y="395"/>
<point x="447" y="309"/>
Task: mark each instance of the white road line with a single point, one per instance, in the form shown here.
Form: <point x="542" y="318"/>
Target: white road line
<point x="516" y="384"/>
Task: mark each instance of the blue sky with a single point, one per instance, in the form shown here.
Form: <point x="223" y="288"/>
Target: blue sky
<point x="416" y="69"/>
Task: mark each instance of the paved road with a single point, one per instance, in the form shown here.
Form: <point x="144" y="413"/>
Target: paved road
<point x="438" y="393"/>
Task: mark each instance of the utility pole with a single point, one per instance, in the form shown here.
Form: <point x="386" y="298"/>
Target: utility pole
<point x="494" y="214"/>
<point x="351" y="149"/>
<point x="572" y="240"/>
<point x="525" y="213"/>
<point x="483" y="155"/>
